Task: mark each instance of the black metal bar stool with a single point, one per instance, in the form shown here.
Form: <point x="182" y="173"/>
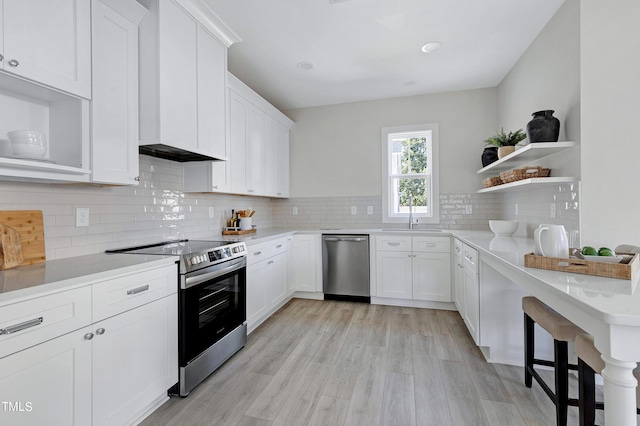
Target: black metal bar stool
<point x="590" y="362"/>
<point x="563" y="331"/>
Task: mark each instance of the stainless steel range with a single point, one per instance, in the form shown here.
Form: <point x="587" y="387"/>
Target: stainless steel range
<point x="212" y="298"/>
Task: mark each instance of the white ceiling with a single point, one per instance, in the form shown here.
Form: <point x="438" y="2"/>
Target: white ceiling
<point x="370" y="49"/>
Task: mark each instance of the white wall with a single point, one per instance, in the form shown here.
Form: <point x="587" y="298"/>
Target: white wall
<point x="610" y="92"/>
<point x="336" y="150"/>
<point x="547" y="76"/>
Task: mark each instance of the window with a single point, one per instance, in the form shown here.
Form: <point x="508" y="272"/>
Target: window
<point x="410" y="171"/>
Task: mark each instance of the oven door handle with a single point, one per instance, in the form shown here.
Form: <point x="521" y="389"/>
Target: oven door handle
<point x="193" y="280"/>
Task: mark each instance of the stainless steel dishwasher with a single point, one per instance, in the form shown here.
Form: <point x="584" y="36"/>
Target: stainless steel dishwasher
<point x="345" y="267"/>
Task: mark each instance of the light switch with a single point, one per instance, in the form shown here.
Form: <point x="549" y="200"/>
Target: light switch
<point x="295" y="211"/>
<point x="354" y="210"/>
<point x="369" y="209"/>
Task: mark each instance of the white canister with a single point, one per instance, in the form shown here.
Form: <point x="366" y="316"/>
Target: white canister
<point x="551" y="241"/>
<point x="245" y="223"/>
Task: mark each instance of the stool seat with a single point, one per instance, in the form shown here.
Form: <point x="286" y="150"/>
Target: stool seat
<point x="587" y="352"/>
<point x="555" y="324"/>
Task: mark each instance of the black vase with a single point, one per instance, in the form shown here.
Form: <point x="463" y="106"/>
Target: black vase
<point x="489" y="155"/>
<point x="544" y="127"/>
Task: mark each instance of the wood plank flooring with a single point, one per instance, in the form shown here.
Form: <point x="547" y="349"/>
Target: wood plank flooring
<point x="339" y="363"/>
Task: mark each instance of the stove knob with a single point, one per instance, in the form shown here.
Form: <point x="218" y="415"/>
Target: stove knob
<point x="195" y="260"/>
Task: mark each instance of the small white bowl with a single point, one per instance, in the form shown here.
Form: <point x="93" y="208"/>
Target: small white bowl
<point x="503" y="228"/>
<point x="26" y="150"/>
<point x="29" y="137"/>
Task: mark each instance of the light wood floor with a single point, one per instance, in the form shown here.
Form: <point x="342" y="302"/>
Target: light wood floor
<point x="340" y="363"/>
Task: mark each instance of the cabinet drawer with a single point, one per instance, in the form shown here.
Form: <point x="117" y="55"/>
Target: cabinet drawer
<point x="432" y="244"/>
<point x="457" y="248"/>
<point x="123" y="293"/>
<point x="263" y="251"/>
<point x="393" y="243"/>
<point x="470" y="258"/>
<point x="34" y="321"/>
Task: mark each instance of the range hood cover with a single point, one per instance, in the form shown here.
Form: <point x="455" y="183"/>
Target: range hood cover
<point x="174" y="154"/>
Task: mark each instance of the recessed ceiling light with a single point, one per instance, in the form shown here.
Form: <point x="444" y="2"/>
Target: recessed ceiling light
<point x="431" y="46"/>
<point x="305" y="66"/>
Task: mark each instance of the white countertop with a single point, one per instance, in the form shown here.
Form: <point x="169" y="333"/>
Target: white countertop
<point x="614" y="301"/>
<point x="44" y="278"/>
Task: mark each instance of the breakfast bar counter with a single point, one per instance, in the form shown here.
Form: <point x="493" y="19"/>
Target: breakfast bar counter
<point x="607" y="308"/>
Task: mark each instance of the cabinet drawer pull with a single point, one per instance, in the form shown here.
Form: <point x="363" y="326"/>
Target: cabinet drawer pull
<point x="279" y="246"/>
<point x="137" y="178"/>
<point x="215" y="186"/>
<point x="469" y="258"/>
<point x="393" y="244"/>
<point x="100" y="331"/>
<point x="88" y="336"/>
<point x="258" y="253"/>
<point x="13" y="63"/>
<point x="1" y="58"/>
<point x="250" y="190"/>
<point x="430" y="244"/>
<point x="138" y="290"/>
<point x="270" y="262"/>
<point x="21" y="326"/>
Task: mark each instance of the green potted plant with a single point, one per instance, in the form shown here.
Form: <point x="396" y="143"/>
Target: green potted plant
<point x="505" y="142"/>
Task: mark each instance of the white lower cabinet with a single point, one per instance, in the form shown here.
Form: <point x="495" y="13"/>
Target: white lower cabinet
<point x="267" y="282"/>
<point x="135" y="360"/>
<point x="305" y="263"/>
<point x="458" y="280"/>
<point x="471" y="291"/>
<point x="109" y="372"/>
<point x="49" y="383"/>
<point x="414" y="268"/>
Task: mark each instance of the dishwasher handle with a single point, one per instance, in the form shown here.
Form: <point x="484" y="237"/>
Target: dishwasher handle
<point x="350" y="239"/>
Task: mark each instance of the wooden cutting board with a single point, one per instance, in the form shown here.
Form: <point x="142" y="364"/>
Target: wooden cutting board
<point x="10" y="248"/>
<point x="30" y="228"/>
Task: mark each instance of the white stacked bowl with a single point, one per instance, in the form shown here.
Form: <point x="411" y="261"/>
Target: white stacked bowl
<point x="27" y="143"/>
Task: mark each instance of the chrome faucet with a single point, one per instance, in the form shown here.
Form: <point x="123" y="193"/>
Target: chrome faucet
<point x="410" y="211"/>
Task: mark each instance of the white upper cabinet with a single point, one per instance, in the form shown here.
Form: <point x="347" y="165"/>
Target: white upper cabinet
<point x="276" y="156"/>
<point x="182" y="83"/>
<point x="114" y="107"/>
<point x="48" y="42"/>
<point x="212" y="84"/>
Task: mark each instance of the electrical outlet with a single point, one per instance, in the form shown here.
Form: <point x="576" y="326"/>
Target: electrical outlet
<point x="553" y="210"/>
<point x="295" y="211"/>
<point x="354" y="210"/>
<point x="211" y="213"/>
<point x="82" y="216"/>
<point x="369" y="209"/>
<point x="516" y="209"/>
<point x="468" y="209"/>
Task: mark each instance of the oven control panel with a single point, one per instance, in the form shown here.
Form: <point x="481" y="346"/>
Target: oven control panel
<point x="217" y="255"/>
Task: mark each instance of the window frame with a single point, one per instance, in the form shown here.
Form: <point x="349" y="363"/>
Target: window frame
<point x="434" y="216"/>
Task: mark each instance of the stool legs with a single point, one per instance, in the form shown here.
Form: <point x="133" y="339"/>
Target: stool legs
<point x="561" y="366"/>
<point x="587" y="394"/>
<point x="529" y="349"/>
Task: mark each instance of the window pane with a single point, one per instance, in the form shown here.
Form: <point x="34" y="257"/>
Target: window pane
<point x="401" y="188"/>
<point x="409" y="155"/>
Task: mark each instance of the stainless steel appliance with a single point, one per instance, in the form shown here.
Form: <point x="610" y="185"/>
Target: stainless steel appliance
<point x="212" y="304"/>
<point x="345" y="267"/>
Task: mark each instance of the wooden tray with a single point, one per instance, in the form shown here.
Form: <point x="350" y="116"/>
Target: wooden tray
<point x="237" y="232"/>
<point x="623" y="271"/>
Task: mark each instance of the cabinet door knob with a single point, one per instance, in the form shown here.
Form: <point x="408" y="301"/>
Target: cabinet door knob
<point x="137" y="178"/>
<point x="14" y="63"/>
<point x="100" y="331"/>
<point x="88" y="336"/>
<point x="1" y="58"/>
<point x="215" y="186"/>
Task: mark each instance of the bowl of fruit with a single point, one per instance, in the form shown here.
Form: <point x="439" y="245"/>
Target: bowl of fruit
<point x="603" y="254"/>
